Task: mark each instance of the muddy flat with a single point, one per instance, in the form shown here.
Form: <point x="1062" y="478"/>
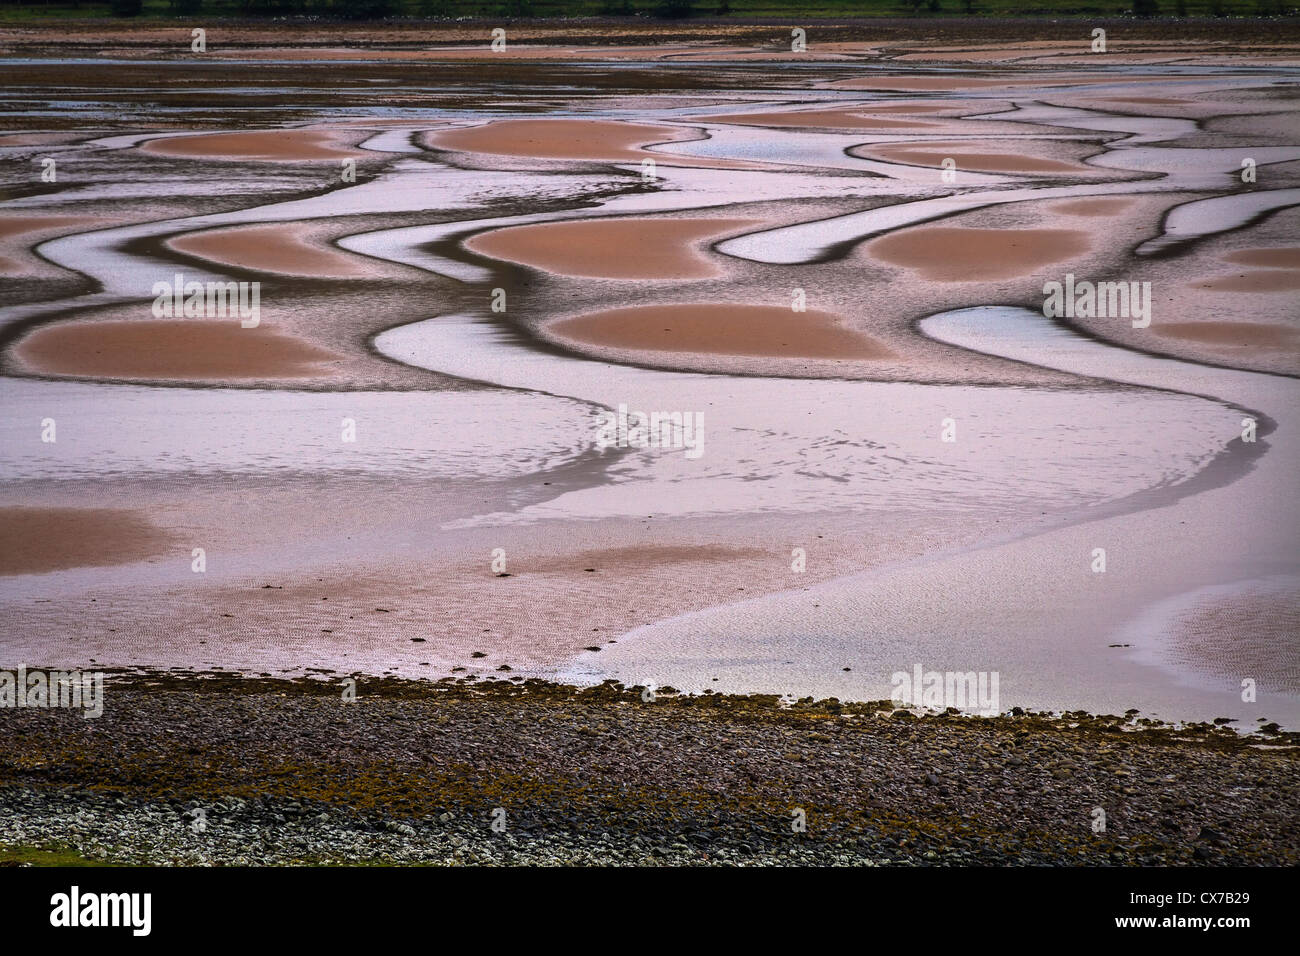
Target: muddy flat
<point x="476" y="270"/>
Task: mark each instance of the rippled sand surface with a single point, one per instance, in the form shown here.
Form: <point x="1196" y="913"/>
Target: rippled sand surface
<point x="824" y="278"/>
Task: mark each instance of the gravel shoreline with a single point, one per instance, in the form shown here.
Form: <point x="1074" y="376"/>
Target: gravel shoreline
<point x="218" y="769"/>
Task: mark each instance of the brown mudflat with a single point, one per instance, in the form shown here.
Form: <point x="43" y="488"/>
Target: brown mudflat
<point x="933" y="154"/>
<point x="282" y="145"/>
<point x="279" y="247"/>
<point x="19" y="233"/>
<point x="189" y="349"/>
<point x="602" y="140"/>
<point x="558" y="139"/>
<point x="957" y="254"/>
<point x="38" y="540"/>
<point x="1244" y="334"/>
<point x="1258" y="280"/>
<point x="1280" y="257"/>
<point x="721" y="329"/>
<point x="1092" y="207"/>
<point x="637" y="248"/>
<point x="966" y="82"/>
<point x="17" y="226"/>
<point x="829" y="119"/>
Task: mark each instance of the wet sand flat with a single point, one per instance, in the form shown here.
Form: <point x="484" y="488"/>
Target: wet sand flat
<point x="1263" y="618"/>
<point x="721" y="328"/>
<point x="194" y="349"/>
<point x="612" y="248"/>
<point x="697" y="650"/>
<point x="40" y="540"/>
